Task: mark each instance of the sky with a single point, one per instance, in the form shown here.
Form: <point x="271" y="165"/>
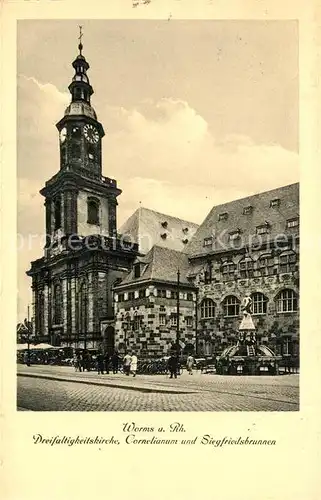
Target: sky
<point x="196" y="113"/>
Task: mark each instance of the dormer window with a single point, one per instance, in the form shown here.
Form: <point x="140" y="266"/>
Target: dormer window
<point x="263" y="229"/>
<point x="208" y="242"/>
<point x="234" y="235"/>
<point x="275" y="203"/>
<point x="223" y="216"/>
<point x="292" y="223"/>
<point x="164" y="236"/>
<point x="185" y="230"/>
<point x="247" y="210"/>
<point x="185" y="241"/>
<point x="164" y="224"/>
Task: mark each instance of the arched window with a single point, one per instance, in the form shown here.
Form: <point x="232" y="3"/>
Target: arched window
<point x="287" y="261"/>
<point x="266" y="265"/>
<point x="228" y="270"/>
<point x="246" y="267"/>
<point x="259" y="303"/>
<point x="286" y="301"/>
<point x="57" y="304"/>
<point x="57" y="213"/>
<point x="231" y="306"/>
<point x="91" y="152"/>
<point x="93" y="211"/>
<point x="83" y="308"/>
<point x="207" y="309"/>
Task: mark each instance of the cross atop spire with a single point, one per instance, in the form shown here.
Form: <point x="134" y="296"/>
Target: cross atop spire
<point x="80" y="46"/>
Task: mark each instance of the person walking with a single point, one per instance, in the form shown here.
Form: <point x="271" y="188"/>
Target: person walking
<point x="100" y="363"/>
<point x="133" y="364"/>
<point x="106" y="361"/>
<point x="114" y="362"/>
<point x="173" y="365"/>
<point x="127" y="361"/>
<point x="190" y="364"/>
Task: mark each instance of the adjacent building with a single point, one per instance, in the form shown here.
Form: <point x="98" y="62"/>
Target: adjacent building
<point x="146" y="305"/>
<point x="148" y="227"/>
<point x="249" y="247"/>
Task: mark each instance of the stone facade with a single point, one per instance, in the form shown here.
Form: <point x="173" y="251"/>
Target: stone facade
<point x="147" y="322"/>
<point x="276" y="318"/>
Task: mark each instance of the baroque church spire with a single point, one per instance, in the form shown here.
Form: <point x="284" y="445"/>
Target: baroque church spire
<point x="80" y="87"/>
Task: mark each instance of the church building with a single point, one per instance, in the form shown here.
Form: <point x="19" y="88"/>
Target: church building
<point x="83" y="258"/>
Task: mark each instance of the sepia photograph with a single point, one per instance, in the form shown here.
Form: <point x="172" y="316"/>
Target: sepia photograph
<point x="158" y="215"/>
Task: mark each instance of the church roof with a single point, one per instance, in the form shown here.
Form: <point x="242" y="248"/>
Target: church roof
<point x="148" y="227"/>
<point x="160" y="265"/>
<point x="247" y="218"/>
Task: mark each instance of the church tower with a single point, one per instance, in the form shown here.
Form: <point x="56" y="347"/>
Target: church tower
<point x="83" y="258"/>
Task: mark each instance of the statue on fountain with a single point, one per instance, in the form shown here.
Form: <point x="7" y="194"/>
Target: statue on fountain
<point x="247" y="328"/>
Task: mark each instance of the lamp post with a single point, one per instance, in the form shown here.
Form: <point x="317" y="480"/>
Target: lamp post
<point x="196" y="322"/>
<point x="28" y="329"/>
<point x="177" y="312"/>
<point x="125" y="325"/>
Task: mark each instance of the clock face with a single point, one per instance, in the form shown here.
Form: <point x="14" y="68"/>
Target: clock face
<point x="63" y="134"/>
<point x="91" y="133"/>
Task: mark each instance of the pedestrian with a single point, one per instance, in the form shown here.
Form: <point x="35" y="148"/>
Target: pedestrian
<point x="189" y="364"/>
<point x="127" y="361"/>
<point x="100" y="363"/>
<point x="106" y="360"/>
<point x="173" y="365"/>
<point x="114" y="362"/>
<point x="133" y="364"/>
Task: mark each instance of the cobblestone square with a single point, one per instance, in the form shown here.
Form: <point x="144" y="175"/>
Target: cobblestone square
<point x="62" y="389"/>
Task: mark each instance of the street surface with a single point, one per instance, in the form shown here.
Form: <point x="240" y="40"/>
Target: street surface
<point x="53" y="388"/>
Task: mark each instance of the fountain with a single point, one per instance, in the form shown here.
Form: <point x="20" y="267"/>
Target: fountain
<point x="248" y="356"/>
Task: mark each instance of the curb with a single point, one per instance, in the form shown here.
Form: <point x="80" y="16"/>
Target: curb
<point x="106" y="384"/>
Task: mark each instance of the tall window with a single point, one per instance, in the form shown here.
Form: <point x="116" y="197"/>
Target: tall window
<point x="57" y="213"/>
<point x="83" y="308"/>
<point x="162" y="319"/>
<point x="231" y="306"/>
<point x="207" y="309"/>
<point x="246" y="268"/>
<point x="173" y="320"/>
<point x="228" y="270"/>
<point x="93" y="211"/>
<point x="41" y="306"/>
<point x="259" y="303"/>
<point x="57" y="304"/>
<point x="266" y="264"/>
<point x="137" y="323"/>
<point x="287" y="261"/>
<point x="161" y="293"/>
<point x="286" y="301"/>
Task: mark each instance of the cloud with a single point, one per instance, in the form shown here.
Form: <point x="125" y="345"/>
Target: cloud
<point x="162" y="153"/>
